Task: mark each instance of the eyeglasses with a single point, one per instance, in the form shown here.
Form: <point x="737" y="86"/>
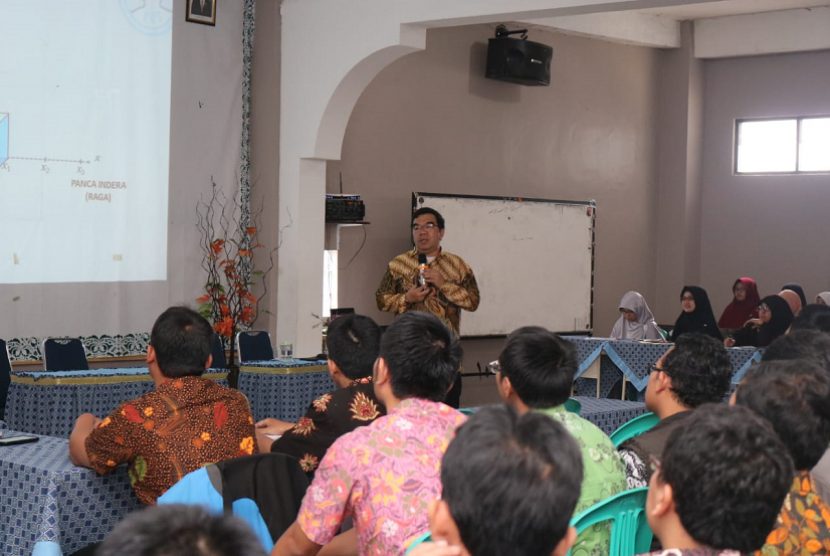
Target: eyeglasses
<point x="737" y="290"/>
<point x="493" y="366"/>
<point x="654" y="368"/>
<point x="687" y="298"/>
<point x="763" y="308"/>
<point x="654" y="464"/>
<point x="428" y="226"/>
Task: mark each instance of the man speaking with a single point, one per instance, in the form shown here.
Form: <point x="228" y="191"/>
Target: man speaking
<point x="430" y="279"/>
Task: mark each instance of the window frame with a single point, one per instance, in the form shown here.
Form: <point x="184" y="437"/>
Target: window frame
<point x="797" y="172"/>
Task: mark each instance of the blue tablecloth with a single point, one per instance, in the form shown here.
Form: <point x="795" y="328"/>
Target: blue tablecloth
<point x="43" y="497"/>
<point x="609" y="415"/>
<point x="633" y="359"/>
<point x="48" y="402"/>
<point x="283" y="389"/>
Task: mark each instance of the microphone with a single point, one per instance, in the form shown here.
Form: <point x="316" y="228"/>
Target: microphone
<point x="422" y="266"/>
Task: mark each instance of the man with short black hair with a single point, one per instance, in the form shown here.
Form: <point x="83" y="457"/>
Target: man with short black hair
<point x="510" y="486"/>
<point x="384" y="474"/>
<point x="178" y="529"/>
<point x="448" y="282"/>
<point x="185" y="423"/>
<point x="536" y="372"/>
<point x="718" y="485"/>
<point x="353" y="343"/>
<point x="792" y="396"/>
<point x="806" y="345"/>
<point x="812" y="317"/>
<point x="697" y="370"/>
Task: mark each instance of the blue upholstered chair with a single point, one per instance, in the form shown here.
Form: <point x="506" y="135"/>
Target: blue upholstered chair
<point x="254" y="345"/>
<point x="64" y="354"/>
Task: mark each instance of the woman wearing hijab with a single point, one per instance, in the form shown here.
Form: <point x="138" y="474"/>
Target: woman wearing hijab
<point x="774" y="318"/>
<point x="636" y="321"/>
<point x="793" y="300"/>
<point x="823" y="298"/>
<point x="697" y="315"/>
<point x="799" y="290"/>
<point x="744" y="304"/>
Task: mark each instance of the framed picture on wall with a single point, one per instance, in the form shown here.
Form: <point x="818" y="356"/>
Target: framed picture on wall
<point x="201" y="11"/>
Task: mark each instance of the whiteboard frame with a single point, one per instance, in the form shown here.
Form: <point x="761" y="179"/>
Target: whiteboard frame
<point x="588" y="204"/>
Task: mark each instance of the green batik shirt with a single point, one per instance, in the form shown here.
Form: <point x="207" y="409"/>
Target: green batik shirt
<point x="603" y="476"/>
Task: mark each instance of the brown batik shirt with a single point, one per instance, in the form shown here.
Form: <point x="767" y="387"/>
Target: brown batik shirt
<point x="460" y="290"/>
<point x="184" y="424"/>
<point x="328" y="418"/>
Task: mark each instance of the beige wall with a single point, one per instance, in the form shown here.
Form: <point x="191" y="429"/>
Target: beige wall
<point x="265" y="149"/>
<point x="432" y="122"/>
<point x="769" y="228"/>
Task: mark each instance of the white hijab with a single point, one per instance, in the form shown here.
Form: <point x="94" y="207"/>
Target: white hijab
<point x="825" y="296"/>
<point x="643" y="328"/>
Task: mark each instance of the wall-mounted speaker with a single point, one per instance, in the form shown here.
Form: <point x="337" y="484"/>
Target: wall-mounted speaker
<point x="519" y="61"/>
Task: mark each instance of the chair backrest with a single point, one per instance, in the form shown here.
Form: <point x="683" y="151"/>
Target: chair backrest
<point x="573" y="406"/>
<point x="5" y="376"/>
<point x="217" y="350"/>
<point x="426" y="537"/>
<point x="254" y="345"/>
<point x="634" y="427"/>
<point x="64" y="354"/>
<point x="630" y="533"/>
<point x="265" y="490"/>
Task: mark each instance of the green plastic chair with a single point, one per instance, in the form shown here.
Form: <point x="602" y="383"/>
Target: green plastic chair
<point x="630" y="533"/>
<point x="573" y="406"/>
<point x="634" y="427"/>
<point x="426" y="537"/>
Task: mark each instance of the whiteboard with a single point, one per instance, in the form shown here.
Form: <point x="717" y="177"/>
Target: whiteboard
<point x="532" y="259"/>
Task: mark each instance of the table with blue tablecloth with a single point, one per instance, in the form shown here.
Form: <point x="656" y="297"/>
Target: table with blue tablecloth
<point x="43" y="497"/>
<point x="49" y="402"/>
<point x="283" y="389"/>
<point x="617" y="358"/>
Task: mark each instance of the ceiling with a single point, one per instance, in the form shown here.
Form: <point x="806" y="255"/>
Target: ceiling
<point x="708" y="10"/>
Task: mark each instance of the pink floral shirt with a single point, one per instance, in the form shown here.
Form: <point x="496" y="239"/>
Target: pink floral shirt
<point x="385" y="475"/>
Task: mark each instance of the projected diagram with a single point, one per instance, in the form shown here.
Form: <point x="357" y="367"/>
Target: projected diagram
<point x="5" y="141"/>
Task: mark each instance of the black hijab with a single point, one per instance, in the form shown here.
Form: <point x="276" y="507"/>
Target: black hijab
<point x="701" y="320"/>
<point x="782" y="317"/>
<point x="797" y="289"/>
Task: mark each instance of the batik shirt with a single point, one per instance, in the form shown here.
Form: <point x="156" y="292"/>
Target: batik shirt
<point x="184" y="424"/>
<point x="694" y="552"/>
<point x="803" y="526"/>
<point x="328" y="418"/>
<point x="603" y="476"/>
<point x="459" y="291"/>
<point x="384" y="475"/>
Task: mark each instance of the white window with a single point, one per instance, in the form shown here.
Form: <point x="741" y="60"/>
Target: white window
<point x="789" y="146"/>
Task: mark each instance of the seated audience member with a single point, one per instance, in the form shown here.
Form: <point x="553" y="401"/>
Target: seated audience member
<point x="636" y="321"/>
<point x="774" y="318"/>
<point x="182" y="425"/>
<point x="499" y="460"/>
<point x="697" y="370"/>
<point x="812" y="317"/>
<point x="744" y="305"/>
<point x="798" y="290"/>
<point x="697" y="315"/>
<point x="792" y="300"/>
<point x="385" y="474"/>
<point x="354" y="343"/>
<point x="806" y="345"/>
<point x="792" y="396"/>
<point x="823" y="298"/>
<point x="176" y="529"/>
<point x="536" y="372"/>
<point x="719" y="484"/>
